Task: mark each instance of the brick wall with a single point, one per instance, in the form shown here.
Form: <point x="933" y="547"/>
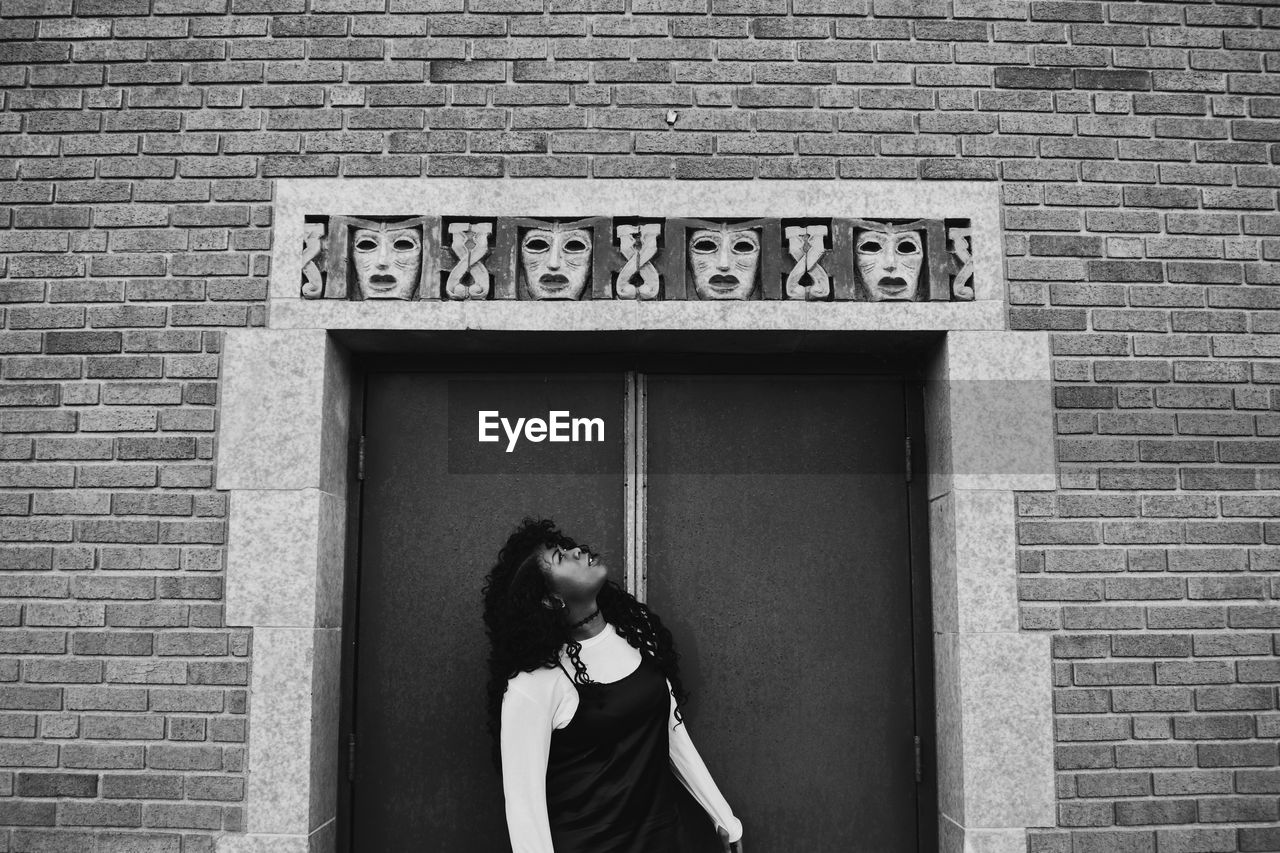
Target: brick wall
<point x="1134" y="144"/>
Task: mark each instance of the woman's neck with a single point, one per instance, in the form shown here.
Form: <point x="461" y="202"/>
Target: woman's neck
<point x="574" y="614"/>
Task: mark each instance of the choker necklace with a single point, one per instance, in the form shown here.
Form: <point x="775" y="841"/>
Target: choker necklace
<point x="581" y="622"/>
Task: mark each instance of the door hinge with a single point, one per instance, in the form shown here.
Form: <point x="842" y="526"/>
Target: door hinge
<point x="360" y="460"/>
<point x="908" y="458"/>
<point x="351" y="757"/>
<point x="919" y="760"/>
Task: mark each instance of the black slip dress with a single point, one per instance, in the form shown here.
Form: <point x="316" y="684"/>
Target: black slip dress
<point x="609" y="780"/>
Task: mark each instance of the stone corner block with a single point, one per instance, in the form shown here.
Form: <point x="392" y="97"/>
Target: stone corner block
<point x="280" y="772"/>
<point x="989" y="407"/>
<point x="285" y="558"/>
<point x="993" y="355"/>
<point x="284" y="411"/>
<point x="255" y="843"/>
<point x="954" y="838"/>
<point x="1007" y="698"/>
<point x="975" y="564"/>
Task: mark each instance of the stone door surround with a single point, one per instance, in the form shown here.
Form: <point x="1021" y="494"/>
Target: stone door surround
<point x="283" y="456"/>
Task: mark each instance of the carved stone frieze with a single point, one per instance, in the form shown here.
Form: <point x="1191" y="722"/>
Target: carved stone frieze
<point x="563" y="259"/>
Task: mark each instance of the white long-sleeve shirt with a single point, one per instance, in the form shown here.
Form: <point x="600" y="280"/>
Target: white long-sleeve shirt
<point x="538" y="702"/>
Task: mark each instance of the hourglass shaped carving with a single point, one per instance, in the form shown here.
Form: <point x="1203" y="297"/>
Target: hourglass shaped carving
<point x="312" y="244"/>
<point x="469" y="278"/>
<point x="962" y="283"/>
<point x="639" y="245"/>
<point x="805" y="243"/>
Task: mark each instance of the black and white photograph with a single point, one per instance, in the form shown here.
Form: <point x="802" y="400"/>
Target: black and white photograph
<point x="639" y="426"/>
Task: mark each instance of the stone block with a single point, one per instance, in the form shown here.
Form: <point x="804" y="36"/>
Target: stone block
<point x="1008" y="761"/>
<point x="988" y="408"/>
<point x="280" y="772"/>
<point x="276" y="412"/>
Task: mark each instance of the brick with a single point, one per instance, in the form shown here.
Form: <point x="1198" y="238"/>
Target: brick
<point x="451" y="71"/>
<point x="26" y="813"/>
<point x="1236" y="754"/>
<point x="187" y="700"/>
<point x="146" y="615"/>
<point x="227" y="730"/>
<point x="1259" y="838"/>
<point x="1085" y="814"/>
<point x="123" y="727"/>
<point x="57" y="785"/>
<point x="151" y="786"/>
<point x="215" y="788"/>
<point x="1258" y="781"/>
<point x="100" y="814"/>
<point x="184" y="757"/>
<point x="1148" y="699"/>
<point x="1155" y="755"/>
<point x="1184" y="782"/>
<point x="1033" y="78"/>
<point x="170" y="447"/>
<point x="191" y="644"/>
<point x="184" y="816"/>
<point x="111" y="643"/>
<point x="33" y="643"/>
<point x="1114" y="784"/>
<point x="1155" y="812"/>
<point x="1151" y="645"/>
<point x="15" y="755"/>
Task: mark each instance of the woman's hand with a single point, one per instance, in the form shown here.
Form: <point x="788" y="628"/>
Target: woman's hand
<point x="726" y="845"/>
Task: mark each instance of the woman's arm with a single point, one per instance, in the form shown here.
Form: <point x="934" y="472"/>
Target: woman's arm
<point x="526" y="745"/>
<point x="693" y="774"/>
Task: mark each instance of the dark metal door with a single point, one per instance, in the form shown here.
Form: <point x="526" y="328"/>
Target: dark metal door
<point x="777" y="551"/>
<point x="437" y="506"/>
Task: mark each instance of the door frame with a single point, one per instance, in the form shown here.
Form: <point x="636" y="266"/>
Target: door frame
<point x="285" y="456"/>
<point x="909" y="373"/>
<point x="284" y="448"/>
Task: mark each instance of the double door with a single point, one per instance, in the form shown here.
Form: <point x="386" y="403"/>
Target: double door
<point x="766" y="517"/>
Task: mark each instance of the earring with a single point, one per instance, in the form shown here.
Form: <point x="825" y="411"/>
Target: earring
<point x="553" y="603"/>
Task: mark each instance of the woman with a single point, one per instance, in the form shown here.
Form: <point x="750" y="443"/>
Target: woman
<point x="584" y="696"/>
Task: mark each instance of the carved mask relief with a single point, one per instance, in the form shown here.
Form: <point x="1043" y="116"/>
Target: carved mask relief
<point x="724" y="262"/>
<point x="889" y="263"/>
<point x="555" y="262"/>
<point x="388" y="261"/>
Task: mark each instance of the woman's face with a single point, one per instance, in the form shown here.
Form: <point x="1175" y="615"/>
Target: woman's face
<point x="573" y="574"/>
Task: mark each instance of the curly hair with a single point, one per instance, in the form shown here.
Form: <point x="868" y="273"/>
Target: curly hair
<point x="524" y="635"/>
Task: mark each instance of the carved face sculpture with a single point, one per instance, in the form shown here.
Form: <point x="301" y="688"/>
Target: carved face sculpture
<point x="889" y="263"/>
<point x="556" y="262"/>
<point x="724" y="262"/>
<point x="388" y="261"/>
